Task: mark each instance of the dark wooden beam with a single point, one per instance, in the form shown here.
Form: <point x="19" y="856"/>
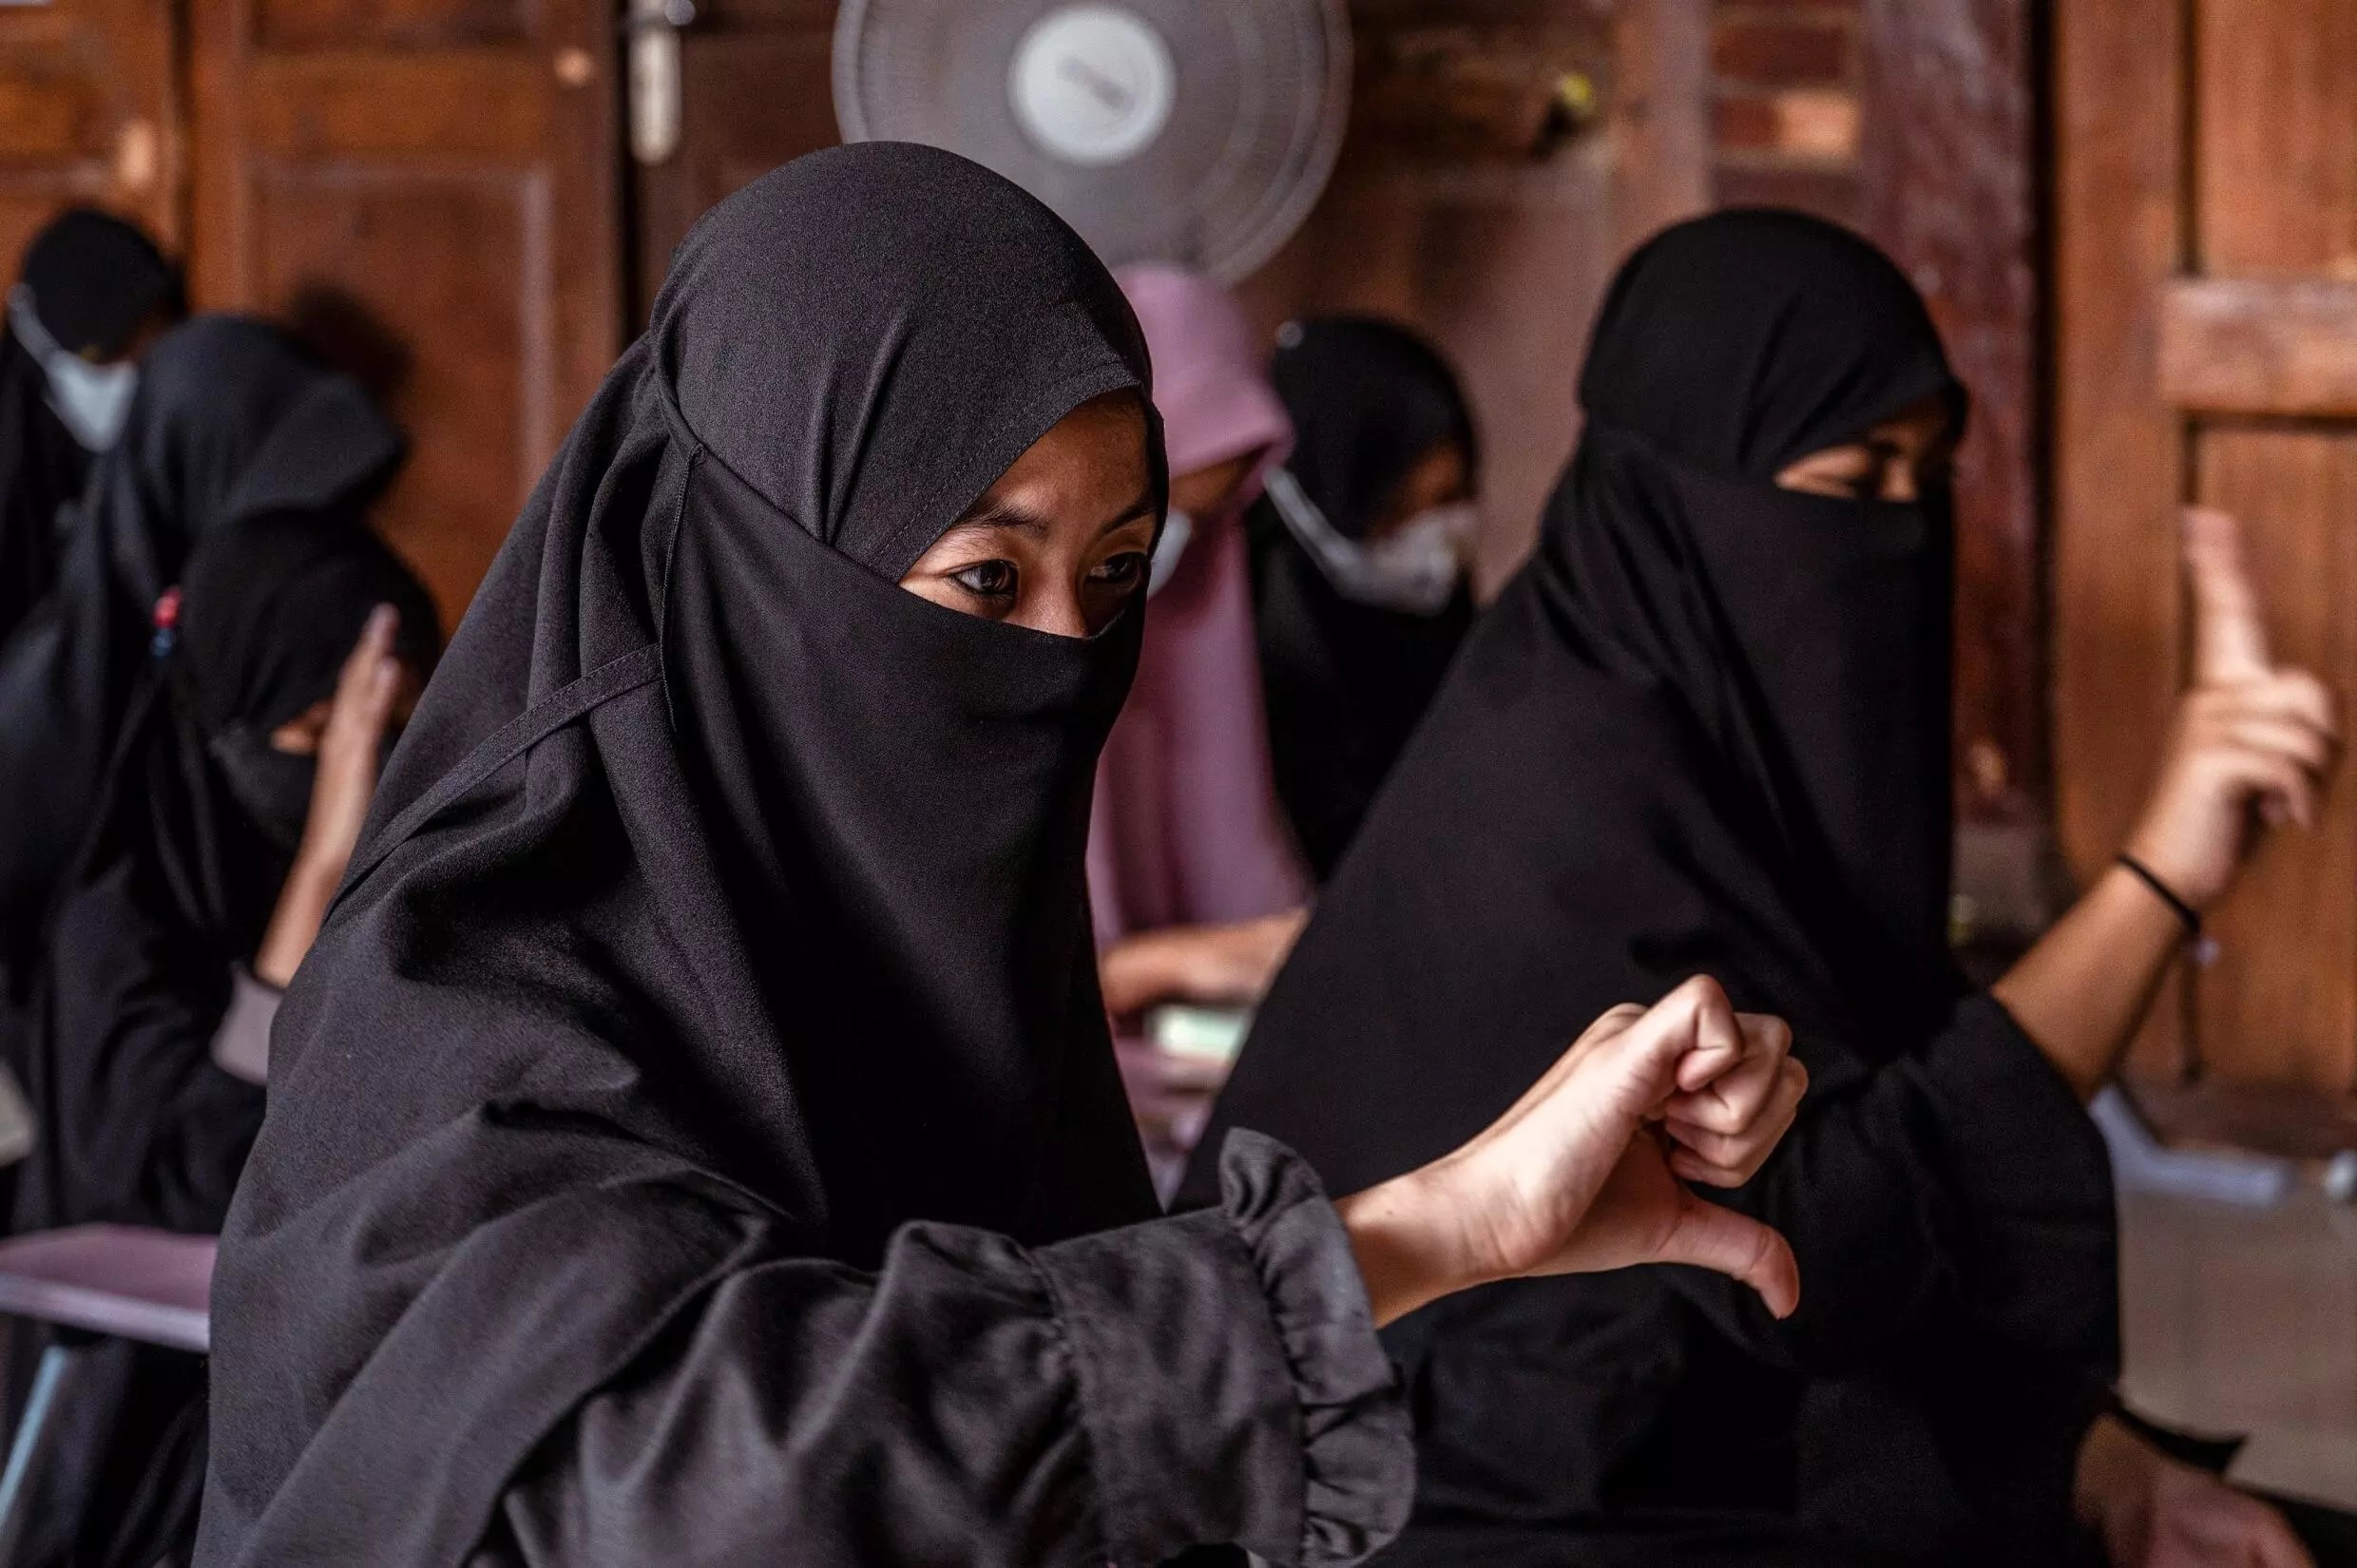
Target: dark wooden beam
<point x="2280" y="346"/>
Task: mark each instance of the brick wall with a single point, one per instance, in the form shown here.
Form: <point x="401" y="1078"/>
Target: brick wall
<point x="1785" y="103"/>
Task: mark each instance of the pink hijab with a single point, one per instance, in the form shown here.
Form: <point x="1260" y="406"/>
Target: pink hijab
<point x="1187" y="829"/>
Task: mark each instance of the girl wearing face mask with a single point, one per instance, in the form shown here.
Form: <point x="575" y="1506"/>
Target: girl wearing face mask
<point x="1707" y="727"/>
<point x="92" y="291"/>
<point x="694" y="1137"/>
<point x="1359" y="564"/>
<point x="228" y="817"/>
<point x="1194" y="877"/>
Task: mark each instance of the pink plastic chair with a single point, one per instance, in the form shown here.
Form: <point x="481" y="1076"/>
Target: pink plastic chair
<point x="107" y="1280"/>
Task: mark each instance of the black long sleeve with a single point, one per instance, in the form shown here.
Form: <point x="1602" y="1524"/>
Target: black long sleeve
<point x="1208" y="1378"/>
<point x="1960" y="1185"/>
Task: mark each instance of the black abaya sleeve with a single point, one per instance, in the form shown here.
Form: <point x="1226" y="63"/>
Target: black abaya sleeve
<point x="139" y="1126"/>
<point x="1962" y="1173"/>
<point x="1117" y="1397"/>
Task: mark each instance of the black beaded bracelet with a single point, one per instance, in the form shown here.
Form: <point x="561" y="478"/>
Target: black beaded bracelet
<point x="2186" y="912"/>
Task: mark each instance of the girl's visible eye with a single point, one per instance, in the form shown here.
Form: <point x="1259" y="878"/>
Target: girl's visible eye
<point x="988" y="579"/>
<point x="1121" y="570"/>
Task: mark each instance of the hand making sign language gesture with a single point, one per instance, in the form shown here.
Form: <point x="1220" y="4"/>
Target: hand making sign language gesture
<point x="1583" y="1173"/>
<point x="2251" y="738"/>
<point x="2253" y="747"/>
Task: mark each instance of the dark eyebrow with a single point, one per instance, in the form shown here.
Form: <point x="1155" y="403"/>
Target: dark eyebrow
<point x="1000" y="514"/>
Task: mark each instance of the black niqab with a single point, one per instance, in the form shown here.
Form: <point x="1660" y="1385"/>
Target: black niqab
<point x="1705" y="731"/>
<point x="231" y="422"/>
<point x="175" y="886"/>
<point x="1346" y="682"/>
<point x="725" y="901"/>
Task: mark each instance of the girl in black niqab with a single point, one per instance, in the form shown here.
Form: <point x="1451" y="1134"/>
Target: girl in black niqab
<point x="696" y="1136"/>
<point x="149" y="1030"/>
<point x="232" y="422"/>
<point x="1352" y="649"/>
<point x="1707" y="728"/>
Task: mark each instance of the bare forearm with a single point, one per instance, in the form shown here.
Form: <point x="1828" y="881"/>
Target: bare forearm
<point x="2081" y="992"/>
<point x="295" y="924"/>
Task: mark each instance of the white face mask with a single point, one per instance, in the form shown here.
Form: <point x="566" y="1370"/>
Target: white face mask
<point x="1414" y="569"/>
<point x="1177" y="527"/>
<point x="92" y="401"/>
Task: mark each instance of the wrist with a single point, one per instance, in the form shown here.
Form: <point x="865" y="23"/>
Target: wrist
<point x="1409" y="1251"/>
<point x="2157" y="886"/>
<point x="2114" y="1486"/>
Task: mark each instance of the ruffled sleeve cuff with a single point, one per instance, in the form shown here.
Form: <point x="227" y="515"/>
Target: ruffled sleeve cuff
<point x="1230" y="1381"/>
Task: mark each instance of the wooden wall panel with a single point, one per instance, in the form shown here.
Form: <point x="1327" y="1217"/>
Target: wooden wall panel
<point x="2119" y="472"/>
<point x="432" y="184"/>
<point x="1503" y="261"/>
<point x="90" y="111"/>
<point x="284" y="25"/>
<point x="2274" y="131"/>
<point x="2280" y="1007"/>
<point x="453" y="263"/>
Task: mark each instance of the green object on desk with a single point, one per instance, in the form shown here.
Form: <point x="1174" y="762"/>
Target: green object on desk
<point x="1199" y="1034"/>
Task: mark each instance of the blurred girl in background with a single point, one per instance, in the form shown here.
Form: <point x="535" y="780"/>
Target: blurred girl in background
<point x="229" y="813"/>
<point x="232" y="423"/>
<point x="1194" y="879"/>
<point x="1359" y="557"/>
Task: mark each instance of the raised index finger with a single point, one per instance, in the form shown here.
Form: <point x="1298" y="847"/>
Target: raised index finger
<point x="2230" y="628"/>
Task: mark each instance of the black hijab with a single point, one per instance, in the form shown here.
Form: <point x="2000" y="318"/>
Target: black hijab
<point x="232" y="423"/>
<point x="92" y="281"/>
<point x="1346" y="682"/>
<point x="96" y="280"/>
<point x="175" y="884"/>
<point x="725" y="901"/>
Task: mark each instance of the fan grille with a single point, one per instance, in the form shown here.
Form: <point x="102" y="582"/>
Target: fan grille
<point x="1253" y="127"/>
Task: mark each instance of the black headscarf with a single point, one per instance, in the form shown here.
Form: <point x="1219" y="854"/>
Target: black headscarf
<point x="96" y="280"/>
<point x="1369" y="401"/>
<point x="1705" y="730"/>
<point x="232" y="423"/>
<point x="725" y="901"/>
<point x="138" y="1126"/>
<point x="1346" y="682"/>
<point x="93" y="280"/>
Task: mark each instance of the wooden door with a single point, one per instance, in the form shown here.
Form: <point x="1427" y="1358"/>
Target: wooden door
<point x="2206" y="313"/>
<point x="89" y="112"/>
<point x="754" y="90"/>
<point x="430" y="189"/>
